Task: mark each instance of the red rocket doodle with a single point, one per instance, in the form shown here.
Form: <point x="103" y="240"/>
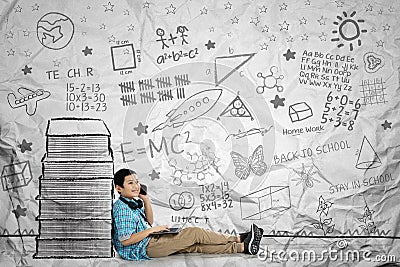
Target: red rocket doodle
<point x="28" y="98"/>
<point x="192" y="108"/>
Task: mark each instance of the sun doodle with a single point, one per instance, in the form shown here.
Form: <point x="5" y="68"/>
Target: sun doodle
<point x="349" y="30"/>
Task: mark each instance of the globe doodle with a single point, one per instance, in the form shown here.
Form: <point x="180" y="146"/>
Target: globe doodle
<point x="55" y="30"/>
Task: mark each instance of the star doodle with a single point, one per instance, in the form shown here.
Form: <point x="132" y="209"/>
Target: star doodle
<point x="126" y="12"/>
<point x="87" y="51"/>
<point x="379" y="43"/>
<point x="25" y="146"/>
<point x="303" y="20"/>
<point x="203" y="11"/>
<point x="373" y="29"/>
<point x="265" y="28"/>
<point x="322" y="37"/>
<point x="284" y="26"/>
<point x="289" y="39"/>
<point x="262" y="9"/>
<point x="35" y="7"/>
<point x="289" y="54"/>
<point x="380" y="12"/>
<point x="28" y="53"/>
<point x="304" y="37"/>
<point x="211" y="29"/>
<point x="83" y="19"/>
<point x="283" y="7"/>
<point x="141" y="129"/>
<point x="272" y="38"/>
<point x="154" y="175"/>
<point x="339" y="3"/>
<point x="56" y="63"/>
<point x="307" y="2"/>
<point x="386" y="125"/>
<point x="102" y="26"/>
<point x="109" y="7"/>
<point x="26" y="33"/>
<point x="229" y="34"/>
<point x="111" y="39"/>
<point x="263" y="46"/>
<point x="27" y="70"/>
<point x="171" y="9"/>
<point x="255" y="21"/>
<point x="368" y="8"/>
<point x="146" y="4"/>
<point x="278" y="101"/>
<point x="322" y="20"/>
<point x="19" y="211"/>
<point x="386" y="27"/>
<point x="210" y="45"/>
<point x="391" y="9"/>
<point x="228" y="5"/>
<point x="131" y="27"/>
<point x="18" y="9"/>
<point x="235" y="20"/>
<point x="9" y="35"/>
<point x="11" y="52"/>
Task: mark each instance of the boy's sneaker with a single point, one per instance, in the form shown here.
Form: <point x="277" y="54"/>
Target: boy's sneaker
<point x="252" y="241"/>
<point x="243" y="236"/>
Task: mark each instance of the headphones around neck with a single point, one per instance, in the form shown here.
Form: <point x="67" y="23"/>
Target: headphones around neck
<point x="134" y="204"/>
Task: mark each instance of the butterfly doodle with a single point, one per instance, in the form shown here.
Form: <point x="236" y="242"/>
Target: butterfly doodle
<point x="255" y="163"/>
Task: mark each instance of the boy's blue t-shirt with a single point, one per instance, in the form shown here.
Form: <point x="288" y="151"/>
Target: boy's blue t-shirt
<point x="127" y="221"/>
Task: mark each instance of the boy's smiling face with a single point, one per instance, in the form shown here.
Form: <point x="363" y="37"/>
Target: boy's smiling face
<point x="131" y="187"/>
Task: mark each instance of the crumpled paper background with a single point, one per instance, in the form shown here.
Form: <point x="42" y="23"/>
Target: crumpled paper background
<point x="281" y="113"/>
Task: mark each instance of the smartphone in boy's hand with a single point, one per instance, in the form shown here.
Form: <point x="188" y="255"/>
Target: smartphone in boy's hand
<point x="143" y="189"/>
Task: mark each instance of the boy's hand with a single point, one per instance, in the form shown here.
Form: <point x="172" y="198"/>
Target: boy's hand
<point x="144" y="197"/>
<point x="160" y="228"/>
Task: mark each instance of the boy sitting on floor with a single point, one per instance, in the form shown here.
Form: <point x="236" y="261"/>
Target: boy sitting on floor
<point x="132" y="229"/>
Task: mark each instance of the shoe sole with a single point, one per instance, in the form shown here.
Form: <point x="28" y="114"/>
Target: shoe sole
<point x="256" y="235"/>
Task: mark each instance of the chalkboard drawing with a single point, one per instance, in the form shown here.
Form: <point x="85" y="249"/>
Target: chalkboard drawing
<point x="373" y="91"/>
<point x="235" y="62"/>
<point x="55" y="30"/>
<point x="16" y="175"/>
<point x="236" y="109"/>
<point x="199" y="166"/>
<point x="373" y="62"/>
<point x="28" y="98"/>
<point x="300" y="111"/>
<point x="265" y="202"/>
<point x="306" y="177"/>
<point x="270" y="81"/>
<point x="367" y="157"/>
<point x="127" y="97"/>
<point x="255" y="163"/>
<point x="184" y="200"/>
<point x="368" y="225"/>
<point x="348" y="29"/>
<point x="192" y="108"/>
<point x="123" y="57"/>
<point x="324" y="222"/>
<point x="76" y="191"/>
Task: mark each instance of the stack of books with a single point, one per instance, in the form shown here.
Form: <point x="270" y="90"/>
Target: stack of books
<point x="76" y="190"/>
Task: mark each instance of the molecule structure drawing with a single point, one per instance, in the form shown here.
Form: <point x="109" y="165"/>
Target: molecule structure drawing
<point x="270" y="81"/>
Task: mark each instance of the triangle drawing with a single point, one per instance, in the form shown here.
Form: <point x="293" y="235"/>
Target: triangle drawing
<point x="367" y="157"/>
<point x="236" y="109"/>
<point x="232" y="64"/>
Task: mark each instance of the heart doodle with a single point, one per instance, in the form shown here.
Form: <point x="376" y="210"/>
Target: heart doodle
<point x="373" y="62"/>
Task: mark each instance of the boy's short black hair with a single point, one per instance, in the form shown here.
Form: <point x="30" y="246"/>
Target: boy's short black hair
<point x="120" y="175"/>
